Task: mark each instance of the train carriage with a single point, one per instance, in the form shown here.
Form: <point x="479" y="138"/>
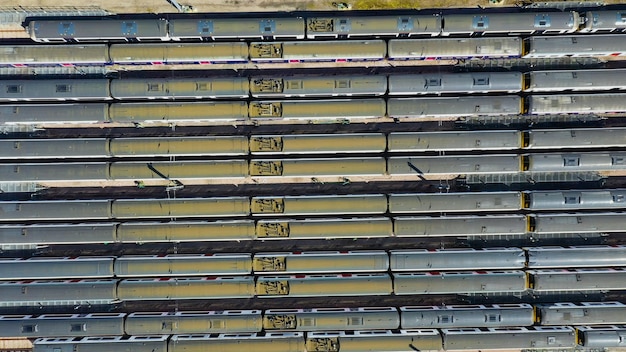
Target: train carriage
<point x="102" y="344"/>
<point x="181" y="207"/>
<point x="462" y="141"/>
<point x="577" y="200"/>
<point x="456" y="83"/>
<point x="602" y="336"/>
<point x="179" y="88"/>
<point x="576" y="104"/>
<point x="182" y="231"/>
<point x="33" y="55"/>
<point x="186" y="288"/>
<point x="450" y="107"/>
<point x="509" y="338"/>
<point x="53" y="325"/>
<point x="236" y="28"/>
<point x="575" y="80"/>
<point x="319" y="205"/>
<point x="318" y="143"/>
<point x="335" y="51"/>
<point x="575" y="46"/>
<point x="576" y="256"/>
<point x="467" y="316"/>
<point x="57" y="89"/>
<point x="456" y="259"/>
<point x="227" y="169"/>
<point x="512" y="23"/>
<point x="156" y="323"/>
<point x="183" y="265"/>
<point x="53" y="113"/>
<point x="604" y="21"/>
<point x="597" y="279"/>
<point x="58" y="234"/>
<point x="592" y="161"/>
<point x="187" y="53"/>
<point x="324" y="285"/>
<point x="460" y="226"/>
<point x="341" y="109"/>
<point x="141" y="113"/>
<point x="237" y="342"/>
<point x="579" y="223"/>
<point x="577" y="138"/>
<point x="324" y="228"/>
<point x="56" y="268"/>
<point x="454" y="48"/>
<point x="374" y="340"/>
<point x="320" y="262"/>
<point x="318" y="167"/>
<point x="89" y="30"/>
<point x="325" y="319"/>
<point x="455" y="202"/>
<point x="314" y="86"/>
<point x="503" y="281"/>
<point x="587" y="313"/>
<point x="57" y="292"/>
<point x="451" y="166"/>
<point x="373" y="26"/>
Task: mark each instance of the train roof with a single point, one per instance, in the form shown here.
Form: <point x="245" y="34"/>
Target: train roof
<point x="454" y="48"/>
<point x="511" y="22"/>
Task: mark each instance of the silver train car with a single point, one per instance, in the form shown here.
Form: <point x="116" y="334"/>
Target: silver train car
<point x="575" y="46"/>
<point x="585" y="313"/>
<point x="408" y="260"/>
<point x="577" y="104"/>
<point x="102" y="344"/>
<point x="604" y="22"/>
<point x="602" y="336"/>
<point x="512" y="23"/>
<point x="467" y="316"/>
<point x="323" y="285"/>
<point x="325" y="319"/>
<point x="451" y="282"/>
<point x="512" y="337"/>
<point x="454" y="48"/>
<point x="596" y="279"/>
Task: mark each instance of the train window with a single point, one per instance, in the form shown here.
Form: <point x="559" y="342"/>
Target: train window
<point x="154" y="87"/>
<point x="63" y="88"/>
<point x="202" y="86"/>
<point x="14" y="88"/>
<point x="481" y="81"/>
<point x="433" y="82"/>
<point x="445" y="319"/>
<point x="571" y="161"/>
<point x="493" y="318"/>
<point x="29" y="328"/>
<point x="342" y="84"/>
<point x="78" y="327"/>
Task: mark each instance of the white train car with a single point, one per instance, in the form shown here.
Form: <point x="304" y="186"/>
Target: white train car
<point x="467" y="316"/>
<point x="331" y="319"/>
<point x="576" y="256"/>
<point x="456" y="259"/>
<point x="596" y="279"/>
<point x="214" y="322"/>
<point x="608" y="103"/>
<point x="324" y="285"/>
<point x="575" y="80"/>
<point x="455" y="202"/>
<point x="463" y="282"/>
<point x="456" y="83"/>
<point x="460" y="226"/>
<point x="578" y="223"/>
<point x="54" y="325"/>
<point x="576" y="138"/>
<point x="576" y="46"/>
<point x="509" y="338"/>
<point x="529" y="23"/>
<point x="585" y="313"/>
<point x="454" y="107"/>
<point x="605" y="336"/>
<point x="320" y="262"/>
<point x="57" y="292"/>
<point x="56" y="268"/>
<point x="577" y="200"/>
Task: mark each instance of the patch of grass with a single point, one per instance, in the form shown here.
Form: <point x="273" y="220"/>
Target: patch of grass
<point x="384" y="4"/>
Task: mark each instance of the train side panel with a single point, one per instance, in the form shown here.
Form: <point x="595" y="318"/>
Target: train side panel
<point x="180" y="231"/>
<point x="186" y="288"/>
<point x="183" y="265"/>
<point x="324" y="228"/>
<point x="324" y="285"/>
<point x="144" y="323"/>
<point x="321" y="262"/>
<point x="320" y="319"/>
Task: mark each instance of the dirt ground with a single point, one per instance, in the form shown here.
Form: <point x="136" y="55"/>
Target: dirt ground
<point x="161" y="6"/>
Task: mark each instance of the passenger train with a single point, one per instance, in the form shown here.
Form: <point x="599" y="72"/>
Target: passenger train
<point x="314" y="51"/>
<point x="323" y="26"/>
<point x="90" y="90"/>
<point x="312" y="205"/>
<point x="303" y="144"/>
<point x="314" y="228"/>
<point x="468" y="282"/>
<point x="337" y="168"/>
<point x="312" y="262"/>
<point x="469" y="318"/>
<point x="311" y="111"/>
